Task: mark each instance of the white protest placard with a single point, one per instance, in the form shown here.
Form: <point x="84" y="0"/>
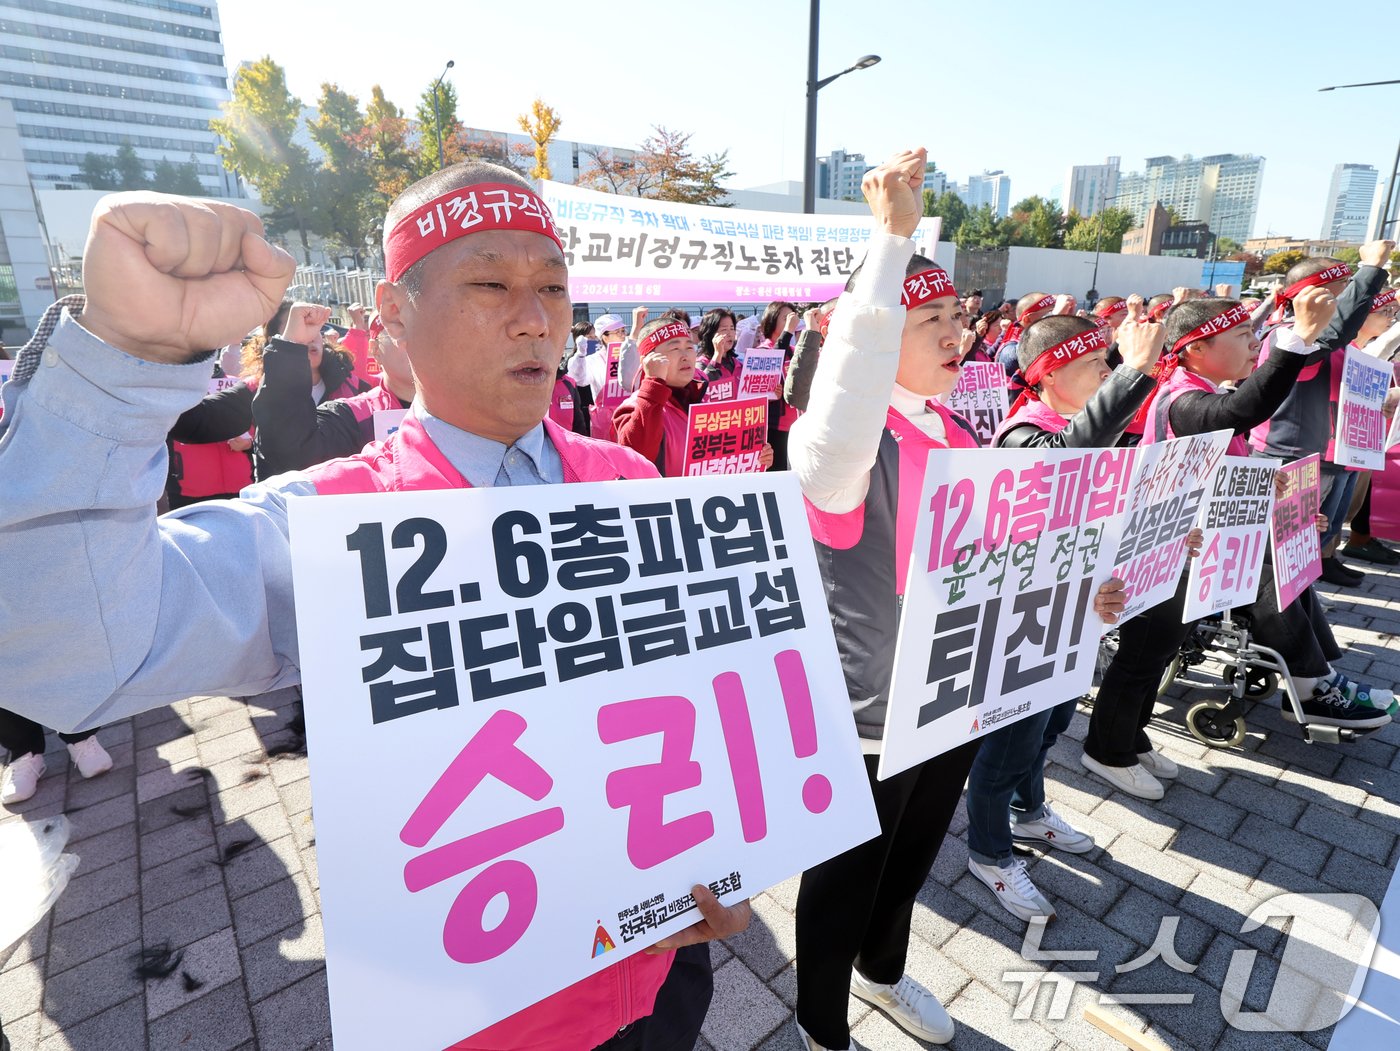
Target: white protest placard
<point x="1234" y="518"/>
<point x="980" y="398"/>
<point x="593" y="696"/>
<point x="637" y="250"/>
<point x="1169" y="484"/>
<point x="763" y="373"/>
<point x="386" y="422"/>
<point x="1394" y="436"/>
<point x="1360" y="435"/>
<point x="219" y="383"/>
<point x="997" y="624"/>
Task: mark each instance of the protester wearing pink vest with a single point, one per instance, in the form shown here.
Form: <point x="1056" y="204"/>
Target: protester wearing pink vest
<point x="1212" y="343"/>
<point x="1069" y="398"/>
<point x="201" y="602"/>
<point x="859" y="453"/>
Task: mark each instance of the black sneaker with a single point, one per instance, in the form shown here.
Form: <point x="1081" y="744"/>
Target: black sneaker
<point x="1372" y="551"/>
<point x="1344" y="576"/>
<point x="1331" y="707"/>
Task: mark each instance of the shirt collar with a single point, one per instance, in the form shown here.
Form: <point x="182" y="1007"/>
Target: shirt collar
<point x="479" y="459"/>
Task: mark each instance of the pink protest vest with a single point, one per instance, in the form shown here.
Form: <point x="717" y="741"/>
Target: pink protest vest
<point x="591" y="1011"/>
<point x="1036" y="413"/>
<point x="562" y="401"/>
<point x="1159" y="424"/>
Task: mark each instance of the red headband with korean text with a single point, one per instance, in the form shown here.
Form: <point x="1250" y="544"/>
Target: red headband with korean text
<point x="1044" y="303"/>
<point x="1383" y="300"/>
<point x="670" y="330"/>
<point x="1057" y="357"/>
<point x="926" y="286"/>
<point x="467" y="210"/>
<point x="1113" y="308"/>
<point x="1339" y="272"/>
<point x="1160" y="310"/>
<point x="1234" y="317"/>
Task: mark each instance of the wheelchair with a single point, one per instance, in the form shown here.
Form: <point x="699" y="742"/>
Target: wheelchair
<point x="1245" y="672"/>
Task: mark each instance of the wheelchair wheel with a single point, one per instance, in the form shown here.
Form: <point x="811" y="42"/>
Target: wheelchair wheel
<point x="1210" y="725"/>
<point x="1259" y="683"/>
<point x="1168" y="676"/>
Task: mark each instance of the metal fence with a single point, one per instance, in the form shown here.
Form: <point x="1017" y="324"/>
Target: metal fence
<point x="322" y="284"/>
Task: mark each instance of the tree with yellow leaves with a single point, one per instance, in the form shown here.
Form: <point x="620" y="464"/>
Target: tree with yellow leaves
<point x="541" y="124"/>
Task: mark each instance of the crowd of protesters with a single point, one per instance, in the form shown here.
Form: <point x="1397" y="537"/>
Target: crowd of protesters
<point x="861" y="398"/>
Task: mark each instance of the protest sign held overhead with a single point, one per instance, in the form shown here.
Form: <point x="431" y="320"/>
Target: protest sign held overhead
<point x="562" y="800"/>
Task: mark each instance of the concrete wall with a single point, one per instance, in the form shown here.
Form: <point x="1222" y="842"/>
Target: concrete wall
<point x="1058" y="270"/>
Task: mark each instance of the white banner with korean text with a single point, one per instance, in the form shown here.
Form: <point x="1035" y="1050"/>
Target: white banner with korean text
<point x="646" y="251"/>
<point x="1359" y="439"/>
<point x="593" y="697"/>
<point x="1234" y="519"/>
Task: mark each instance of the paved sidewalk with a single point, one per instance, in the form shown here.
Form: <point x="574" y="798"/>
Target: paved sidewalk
<point x="200" y="841"/>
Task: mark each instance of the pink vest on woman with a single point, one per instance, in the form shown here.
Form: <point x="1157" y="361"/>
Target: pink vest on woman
<point x="1035" y="413"/>
<point x="1159" y="424"/>
<point x="591" y="1011"/>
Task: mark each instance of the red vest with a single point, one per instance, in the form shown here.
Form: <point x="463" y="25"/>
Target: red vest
<point x="211" y="469"/>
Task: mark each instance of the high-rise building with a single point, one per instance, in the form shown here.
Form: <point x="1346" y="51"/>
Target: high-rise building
<point x="839" y="175"/>
<point x="935" y="181"/>
<point x="989" y="188"/>
<point x="1090" y="187"/>
<point x="1381" y="225"/>
<point x="1221" y="190"/>
<point x="91" y="77"/>
<point x="1347" y="212"/>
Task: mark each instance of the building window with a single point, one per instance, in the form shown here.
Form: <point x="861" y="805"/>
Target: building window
<point x="102" y="65"/>
<point x="73" y="36"/>
<point x="111" y="18"/>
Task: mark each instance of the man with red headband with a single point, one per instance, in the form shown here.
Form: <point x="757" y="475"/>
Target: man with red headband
<point x="200" y="601"/>
<point x="1303" y="424"/>
<point x="1030" y="308"/>
<point x="1071" y="399"/>
<point x="859" y="452"/>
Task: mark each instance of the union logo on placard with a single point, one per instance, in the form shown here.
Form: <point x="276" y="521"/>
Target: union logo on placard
<point x="975" y="727"/>
<point x="602" y="942"/>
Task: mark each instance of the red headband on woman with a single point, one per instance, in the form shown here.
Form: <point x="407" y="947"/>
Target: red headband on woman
<point x="1043" y="303"/>
<point x="1383" y="300"/>
<point x="926" y="286"/>
<point x="1157" y="312"/>
<point x="1111" y="309"/>
<point x="1338" y="272"/>
<point x="1057" y="357"/>
<point x="670" y="330"/>
<point x="1234" y="317"/>
<point x="468" y="210"/>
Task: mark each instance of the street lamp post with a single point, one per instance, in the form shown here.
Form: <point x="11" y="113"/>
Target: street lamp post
<point x="1394" y="168"/>
<point x="1091" y="297"/>
<point x="437" y="121"/>
<point x="809" y="160"/>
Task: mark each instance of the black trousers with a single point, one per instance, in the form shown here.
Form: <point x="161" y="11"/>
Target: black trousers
<point x="856" y="909"/>
<point x="1300" y="632"/>
<point x="1146" y="645"/>
<point x="20" y="736"/>
<point x="681" y="1004"/>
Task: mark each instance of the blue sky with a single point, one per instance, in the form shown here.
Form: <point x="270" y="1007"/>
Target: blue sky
<point x="1027" y="87"/>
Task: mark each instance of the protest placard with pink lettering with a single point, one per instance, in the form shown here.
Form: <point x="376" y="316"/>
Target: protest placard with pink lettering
<point x="727" y="438"/>
<point x="1234" y="520"/>
<point x="594" y="697"/>
<point x="1168" y="486"/>
<point x="763" y="373"/>
<point x="980" y="397"/>
<point x="1293" y="530"/>
<point x="1361" y="429"/>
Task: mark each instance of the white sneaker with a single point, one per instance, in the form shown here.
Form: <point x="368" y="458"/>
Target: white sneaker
<point x="812" y="1045"/>
<point x="21" y="778"/>
<point x="908" y="1004"/>
<point x="1158" y="765"/>
<point x="1051" y="830"/>
<point x="1013" y="889"/>
<point x="1135" y="780"/>
<point x="90" y="757"/>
